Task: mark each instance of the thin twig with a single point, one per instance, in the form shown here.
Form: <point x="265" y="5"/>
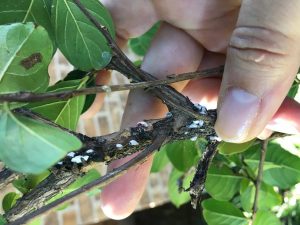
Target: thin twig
<point x="64" y="95"/>
<point x="104" y="180"/>
<point x="264" y="146"/>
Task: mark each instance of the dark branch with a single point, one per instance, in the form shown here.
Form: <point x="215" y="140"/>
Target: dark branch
<point x="104" y="180"/>
<point x="198" y="182"/>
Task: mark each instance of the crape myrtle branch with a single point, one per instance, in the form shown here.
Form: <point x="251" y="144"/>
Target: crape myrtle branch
<point x="64" y="95"/>
<point x="101" y="182"/>
<point x="104" y="149"/>
<point x="185" y="120"/>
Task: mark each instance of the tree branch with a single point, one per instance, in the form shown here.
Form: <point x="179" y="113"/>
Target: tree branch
<point x="197" y="184"/>
<point x="102" y="181"/>
<point x="107" y="148"/>
<point x="64" y="95"/>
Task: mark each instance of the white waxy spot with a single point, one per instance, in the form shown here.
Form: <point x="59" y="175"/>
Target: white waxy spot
<point x="133" y="142"/>
<point x="196" y="124"/>
<point x="186" y="133"/>
<point x="119" y="145"/>
<point x="60" y="163"/>
<point x="90" y="151"/>
<point x="194" y="138"/>
<point x="215" y="138"/>
<point x="143" y="123"/>
<point x="86" y="157"/>
<point x="78" y="159"/>
<point x="71" y="154"/>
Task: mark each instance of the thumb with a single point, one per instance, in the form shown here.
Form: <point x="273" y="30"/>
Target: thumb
<point x="262" y="60"/>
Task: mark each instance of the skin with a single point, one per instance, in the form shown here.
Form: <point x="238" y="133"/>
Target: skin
<point x="257" y="40"/>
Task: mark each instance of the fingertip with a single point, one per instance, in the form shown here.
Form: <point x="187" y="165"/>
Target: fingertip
<point x="237" y="114"/>
<point x="120" y="198"/>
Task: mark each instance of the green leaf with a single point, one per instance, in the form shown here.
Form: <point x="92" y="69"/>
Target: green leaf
<point x="182" y="154"/>
<point x="264" y="217"/>
<point x="227" y="148"/>
<point x="9" y="201"/>
<point x="141" y="44"/>
<point x="222" y="213"/>
<point x="25" y="53"/>
<point x="90" y="176"/>
<point x="63" y="112"/>
<point x="25" y="184"/>
<point x="29" y="146"/>
<point x="281" y="168"/>
<point x="221" y="183"/>
<point x="78" y="39"/>
<point x="2" y="220"/>
<point x="176" y="197"/>
<point x="37" y="11"/>
<point x="267" y="197"/>
<point x="160" y="161"/>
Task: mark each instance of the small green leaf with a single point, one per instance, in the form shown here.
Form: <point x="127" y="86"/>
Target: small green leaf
<point x="29" y="146"/>
<point x="176" y="197"/>
<point x="267" y="197"/>
<point x="37" y="11"/>
<point x="264" y="217"/>
<point x="9" y="201"/>
<point x="27" y="183"/>
<point x="227" y="148"/>
<point x="281" y="168"/>
<point x="63" y="112"/>
<point x="221" y="183"/>
<point x="21" y="185"/>
<point x="182" y="154"/>
<point x="160" y="161"/>
<point x="78" y="39"/>
<point x="90" y="176"/>
<point x="141" y="44"/>
<point x="222" y="213"/>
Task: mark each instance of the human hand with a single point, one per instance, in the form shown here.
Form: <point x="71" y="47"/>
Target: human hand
<point x="259" y="43"/>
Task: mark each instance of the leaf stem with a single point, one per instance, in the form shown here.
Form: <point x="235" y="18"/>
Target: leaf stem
<point x="264" y="146"/>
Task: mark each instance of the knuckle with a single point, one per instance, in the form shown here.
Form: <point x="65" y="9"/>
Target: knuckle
<point x="261" y="46"/>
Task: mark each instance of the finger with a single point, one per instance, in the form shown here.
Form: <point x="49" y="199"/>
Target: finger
<point x="172" y="51"/>
<point x="262" y="59"/>
<point x="132" y="18"/>
<point x="286" y="119"/>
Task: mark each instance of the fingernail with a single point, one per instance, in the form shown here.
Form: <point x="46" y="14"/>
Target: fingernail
<point x="237" y="114"/>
